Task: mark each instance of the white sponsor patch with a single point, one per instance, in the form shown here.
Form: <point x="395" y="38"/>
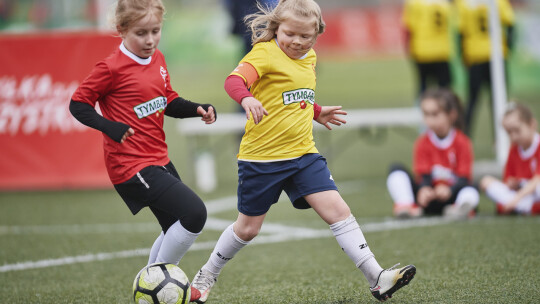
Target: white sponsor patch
<point x="299" y="95"/>
<point x="150" y="107"/>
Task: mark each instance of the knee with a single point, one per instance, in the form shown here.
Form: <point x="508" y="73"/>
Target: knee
<point x="397" y="175"/>
<point x="195" y="220"/>
<point x="485" y="182"/>
<point x="469" y="195"/>
<point x="246" y="232"/>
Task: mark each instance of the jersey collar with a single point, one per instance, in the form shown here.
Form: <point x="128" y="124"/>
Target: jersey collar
<point x="526" y="154"/>
<point x="139" y="60"/>
<point x="442" y="143"/>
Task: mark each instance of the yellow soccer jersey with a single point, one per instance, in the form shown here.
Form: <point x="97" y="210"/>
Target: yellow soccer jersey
<point x="474" y="26"/>
<point x="428" y="22"/>
<point x="286" y="89"/>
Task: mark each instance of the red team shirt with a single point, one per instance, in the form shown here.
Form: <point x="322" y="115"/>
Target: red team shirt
<point x="523" y="164"/>
<point x="133" y="91"/>
<point x="444" y="159"/>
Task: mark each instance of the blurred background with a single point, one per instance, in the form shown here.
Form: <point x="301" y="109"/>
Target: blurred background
<point x="363" y="64"/>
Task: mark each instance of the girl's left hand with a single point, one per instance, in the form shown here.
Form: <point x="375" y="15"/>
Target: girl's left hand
<point x="209" y="116"/>
<point x="443" y="192"/>
<point x="328" y="116"/>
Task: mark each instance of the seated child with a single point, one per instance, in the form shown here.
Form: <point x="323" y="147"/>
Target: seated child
<point x="443" y="158"/>
<point x="519" y="191"/>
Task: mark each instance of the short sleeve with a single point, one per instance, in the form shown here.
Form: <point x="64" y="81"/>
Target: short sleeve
<point x="258" y="57"/>
<point x="506" y="12"/>
<point x="171" y="94"/>
<point x="509" y="168"/>
<point x="96" y="85"/>
<point x="465" y="159"/>
<point x="537" y="159"/>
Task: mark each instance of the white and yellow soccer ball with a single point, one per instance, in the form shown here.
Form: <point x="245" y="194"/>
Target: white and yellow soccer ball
<point x="161" y="283"/>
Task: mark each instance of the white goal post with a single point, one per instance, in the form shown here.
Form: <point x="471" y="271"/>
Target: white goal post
<point x="498" y="83"/>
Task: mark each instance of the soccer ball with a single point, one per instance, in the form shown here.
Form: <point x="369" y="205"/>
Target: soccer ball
<point x="161" y="283"/>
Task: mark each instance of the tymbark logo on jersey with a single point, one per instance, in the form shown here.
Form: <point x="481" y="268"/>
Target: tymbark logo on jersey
<point x="156" y="105"/>
<point x="302" y="96"/>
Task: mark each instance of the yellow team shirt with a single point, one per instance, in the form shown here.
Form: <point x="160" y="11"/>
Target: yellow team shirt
<point x="474" y="26"/>
<point x="428" y="22"/>
<point x="286" y="89"/>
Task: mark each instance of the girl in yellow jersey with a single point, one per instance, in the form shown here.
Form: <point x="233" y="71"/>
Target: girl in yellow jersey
<point x="476" y="46"/>
<point x="277" y="151"/>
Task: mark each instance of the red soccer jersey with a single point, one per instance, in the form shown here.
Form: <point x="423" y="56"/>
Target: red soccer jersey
<point x="444" y="159"/>
<point x="134" y="91"/>
<point x="523" y="164"/>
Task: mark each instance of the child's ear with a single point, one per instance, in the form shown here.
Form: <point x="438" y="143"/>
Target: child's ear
<point x="453" y="116"/>
<point x="534" y="124"/>
<point x="119" y="30"/>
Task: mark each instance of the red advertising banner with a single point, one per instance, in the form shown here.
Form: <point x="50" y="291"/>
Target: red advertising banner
<point x="42" y="145"/>
<point x="374" y="30"/>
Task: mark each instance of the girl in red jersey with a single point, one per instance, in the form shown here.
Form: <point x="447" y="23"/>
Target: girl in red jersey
<point x="519" y="191"/>
<point x="443" y="160"/>
<point x="133" y="89"/>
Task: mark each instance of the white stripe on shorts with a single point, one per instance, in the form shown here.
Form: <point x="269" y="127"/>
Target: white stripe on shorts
<point x="142" y="180"/>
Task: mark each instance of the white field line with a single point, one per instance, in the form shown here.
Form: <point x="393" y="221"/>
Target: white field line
<point x="270" y="233"/>
<point x="280" y="233"/>
<point x="214" y="206"/>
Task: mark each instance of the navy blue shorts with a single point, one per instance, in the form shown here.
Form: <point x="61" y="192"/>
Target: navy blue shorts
<point x="260" y="183"/>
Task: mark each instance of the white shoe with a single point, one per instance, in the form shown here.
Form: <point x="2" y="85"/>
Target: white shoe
<point x="203" y="282"/>
<point x="390" y="280"/>
<point x="461" y="212"/>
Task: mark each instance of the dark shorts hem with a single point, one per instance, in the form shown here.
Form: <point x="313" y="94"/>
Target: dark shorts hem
<point x="261" y="184"/>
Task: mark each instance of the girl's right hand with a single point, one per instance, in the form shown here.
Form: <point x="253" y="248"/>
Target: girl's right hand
<point x="425" y="195"/>
<point x="513" y="183"/>
<point x="253" y="106"/>
<point x="129" y="132"/>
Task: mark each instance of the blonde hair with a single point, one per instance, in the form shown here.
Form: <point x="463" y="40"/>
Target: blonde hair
<point x="128" y="12"/>
<point x="524" y="113"/>
<point x="265" y="23"/>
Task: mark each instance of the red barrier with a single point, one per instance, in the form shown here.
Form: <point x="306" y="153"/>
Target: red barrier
<point x="376" y="30"/>
<point x="43" y="146"/>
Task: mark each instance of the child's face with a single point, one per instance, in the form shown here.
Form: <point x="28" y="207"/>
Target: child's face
<point x="520" y="132"/>
<point x="142" y="38"/>
<point x="296" y="35"/>
<point x="435" y="118"/>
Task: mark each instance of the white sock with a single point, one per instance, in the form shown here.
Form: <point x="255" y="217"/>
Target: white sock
<point x="351" y="239"/>
<point x="175" y="244"/>
<point x="468" y="195"/>
<point x="400" y="188"/>
<point x="155" y="249"/>
<point x="227" y="246"/>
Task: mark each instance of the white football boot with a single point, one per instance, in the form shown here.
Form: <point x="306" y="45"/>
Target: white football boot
<point x="459" y="212"/>
<point x="203" y="282"/>
<point x="390" y="280"/>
